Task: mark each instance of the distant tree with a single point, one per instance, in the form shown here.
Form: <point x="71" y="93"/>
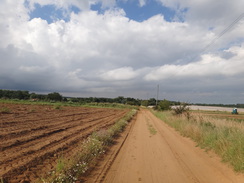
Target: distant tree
<point x="144" y="103"/>
<point x="11" y="94"/>
<point x="73" y="99"/>
<point x="240" y="105"/>
<point x="132" y="101"/>
<point x="98" y="100"/>
<point x="152" y="101"/>
<point x="41" y="97"/>
<point x="24" y="95"/>
<point x="120" y="99"/>
<point x="55" y="96"/>
<point x="33" y="96"/>
<point x="164" y="105"/>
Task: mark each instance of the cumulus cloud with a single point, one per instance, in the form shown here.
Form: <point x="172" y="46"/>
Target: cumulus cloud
<point x="209" y="66"/>
<point x="104" y="53"/>
<point x="207" y="14"/>
<point x="83" y="5"/>
<point x="63" y="4"/>
<point x="125" y="73"/>
<point x="142" y="3"/>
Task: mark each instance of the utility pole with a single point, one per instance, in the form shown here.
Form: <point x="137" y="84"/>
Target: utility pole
<point x="157" y="96"/>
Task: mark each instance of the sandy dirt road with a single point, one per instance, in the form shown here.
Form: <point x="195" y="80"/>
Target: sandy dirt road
<point x="165" y="157"/>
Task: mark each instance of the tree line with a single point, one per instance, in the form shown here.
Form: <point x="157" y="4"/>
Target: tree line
<point x="25" y="95"/>
<point x="55" y="96"/>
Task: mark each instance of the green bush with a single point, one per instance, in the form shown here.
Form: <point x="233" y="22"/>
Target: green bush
<point x="164" y="105"/>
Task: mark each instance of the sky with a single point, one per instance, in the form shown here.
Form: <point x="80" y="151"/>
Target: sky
<point x="192" y="49"/>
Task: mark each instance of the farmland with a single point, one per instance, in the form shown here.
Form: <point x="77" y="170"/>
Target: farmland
<point x="43" y="141"/>
<point x="33" y="137"/>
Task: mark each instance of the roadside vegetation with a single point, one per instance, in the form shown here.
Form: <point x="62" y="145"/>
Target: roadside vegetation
<point x="70" y="169"/>
<point x="151" y="128"/>
<point x="224" y="136"/>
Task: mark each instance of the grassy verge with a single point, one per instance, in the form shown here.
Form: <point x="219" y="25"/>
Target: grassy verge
<point x="69" y="170"/>
<point x="225" y="137"/>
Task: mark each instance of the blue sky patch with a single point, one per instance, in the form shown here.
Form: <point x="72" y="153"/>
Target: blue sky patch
<point x="135" y="12"/>
<point x="51" y="13"/>
<point x="152" y="8"/>
<point x="97" y="7"/>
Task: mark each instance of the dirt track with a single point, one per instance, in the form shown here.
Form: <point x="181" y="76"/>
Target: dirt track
<point x="32" y="137"/>
<point x="165" y="157"/>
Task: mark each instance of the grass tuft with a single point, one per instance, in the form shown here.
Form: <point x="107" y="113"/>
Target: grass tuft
<point x="57" y="106"/>
<point x="5" y="110"/>
<point x="151" y="129"/>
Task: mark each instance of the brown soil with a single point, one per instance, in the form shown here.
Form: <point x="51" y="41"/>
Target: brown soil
<point x="33" y="137"/>
<point x="167" y="157"/>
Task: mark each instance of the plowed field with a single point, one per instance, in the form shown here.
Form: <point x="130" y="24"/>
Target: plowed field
<point x="32" y="137"/>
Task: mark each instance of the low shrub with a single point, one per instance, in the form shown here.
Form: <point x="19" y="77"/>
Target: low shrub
<point x="183" y="108"/>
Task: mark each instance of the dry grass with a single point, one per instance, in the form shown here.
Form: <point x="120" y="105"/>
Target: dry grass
<point x="224" y="136"/>
<point x="219" y="122"/>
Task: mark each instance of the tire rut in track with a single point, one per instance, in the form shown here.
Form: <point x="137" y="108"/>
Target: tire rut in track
<point x="183" y="165"/>
<point x="104" y="166"/>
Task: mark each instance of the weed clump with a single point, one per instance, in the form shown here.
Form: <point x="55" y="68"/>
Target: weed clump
<point x="5" y="110"/>
<point x="57" y="106"/>
<point x="181" y="109"/>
